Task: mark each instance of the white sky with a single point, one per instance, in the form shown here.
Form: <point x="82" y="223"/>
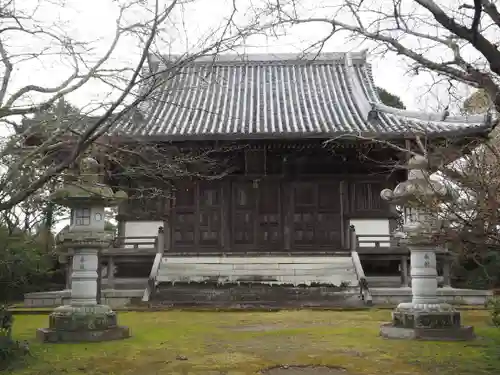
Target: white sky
<point x="94" y="20"/>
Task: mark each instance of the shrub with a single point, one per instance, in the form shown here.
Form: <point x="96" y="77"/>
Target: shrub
<point x="6" y="342"/>
<point x="9" y="348"/>
<point x="494" y="308"/>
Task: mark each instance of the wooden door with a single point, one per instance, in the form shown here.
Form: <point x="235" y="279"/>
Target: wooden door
<point x="184" y="217"/>
<point x="256" y="223"/>
<point x="197" y="217"/>
<point x="316" y="216"/>
<point x="243" y="210"/>
<point x="269" y="216"/>
<point x="210" y="215"/>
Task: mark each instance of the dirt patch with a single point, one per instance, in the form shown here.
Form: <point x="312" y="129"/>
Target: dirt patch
<point x="305" y="370"/>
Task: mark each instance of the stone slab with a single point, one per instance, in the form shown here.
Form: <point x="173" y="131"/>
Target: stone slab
<point x="426" y="319"/>
<point x="47" y="335"/>
<point x="245" y="296"/>
<point x="115" y="298"/>
<point x="464" y="333"/>
<point x="454" y="296"/>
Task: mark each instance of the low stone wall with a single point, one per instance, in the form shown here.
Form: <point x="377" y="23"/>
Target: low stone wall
<point x="393" y="296"/>
<point x="110" y="297"/>
<point x="277" y="296"/>
<point x="246" y="295"/>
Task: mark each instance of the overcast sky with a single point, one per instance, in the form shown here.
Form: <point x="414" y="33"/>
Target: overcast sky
<point x="94" y="19"/>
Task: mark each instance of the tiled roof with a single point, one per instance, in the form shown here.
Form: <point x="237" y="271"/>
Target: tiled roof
<point x="264" y="96"/>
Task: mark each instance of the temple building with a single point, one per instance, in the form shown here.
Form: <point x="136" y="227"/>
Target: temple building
<point x="305" y="144"/>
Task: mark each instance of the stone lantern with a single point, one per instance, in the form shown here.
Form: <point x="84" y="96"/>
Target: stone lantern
<point x="425" y="317"/>
<point x="85" y="320"/>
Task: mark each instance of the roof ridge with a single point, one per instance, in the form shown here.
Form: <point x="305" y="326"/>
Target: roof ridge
<point x="233" y="58"/>
<point x="430" y="116"/>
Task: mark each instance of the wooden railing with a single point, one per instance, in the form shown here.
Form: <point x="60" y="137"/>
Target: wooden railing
<point x="137" y="245"/>
<point x="160" y="249"/>
<point x="364" y="290"/>
<point x="377" y="240"/>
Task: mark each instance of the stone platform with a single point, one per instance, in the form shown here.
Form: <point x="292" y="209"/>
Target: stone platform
<point x="381" y="296"/>
<point x="48" y="335"/>
<point x="442" y="324"/>
<point x="82" y="323"/>
<point x="453" y="296"/>
<point x="388" y="330"/>
<point x="115" y="298"/>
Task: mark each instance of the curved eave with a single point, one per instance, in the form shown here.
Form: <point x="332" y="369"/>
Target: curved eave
<point x="452" y="133"/>
<point x="431" y="117"/>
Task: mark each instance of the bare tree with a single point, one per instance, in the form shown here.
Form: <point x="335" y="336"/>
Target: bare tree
<point x="46" y="137"/>
<point x="458" y="41"/>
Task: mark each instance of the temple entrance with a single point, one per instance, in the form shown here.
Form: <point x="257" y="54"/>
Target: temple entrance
<point x="263" y="215"/>
<point x="257" y="216"/>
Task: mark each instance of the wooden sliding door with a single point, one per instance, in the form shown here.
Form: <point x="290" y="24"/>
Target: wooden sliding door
<point x="256" y="223"/>
<point x="316" y="215"/>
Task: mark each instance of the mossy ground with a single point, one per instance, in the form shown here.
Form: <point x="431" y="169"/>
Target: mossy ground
<point x="244" y="343"/>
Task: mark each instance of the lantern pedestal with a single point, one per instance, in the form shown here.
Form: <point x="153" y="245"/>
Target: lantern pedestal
<point x="425" y="318"/>
<point x="91" y="323"/>
<point x="426" y="325"/>
<point x="84" y="320"/>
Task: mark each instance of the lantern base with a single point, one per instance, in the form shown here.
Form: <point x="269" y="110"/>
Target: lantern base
<point x="94" y="323"/>
<point x="427" y="325"/>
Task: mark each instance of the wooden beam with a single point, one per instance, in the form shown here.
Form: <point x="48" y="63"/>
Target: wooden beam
<point x="343" y="219"/>
<point x="287" y="214"/>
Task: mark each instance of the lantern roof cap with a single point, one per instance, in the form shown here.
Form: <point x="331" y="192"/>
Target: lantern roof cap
<point x="85" y="188"/>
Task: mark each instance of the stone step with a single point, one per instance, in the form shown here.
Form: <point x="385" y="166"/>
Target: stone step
<point x="266" y="269"/>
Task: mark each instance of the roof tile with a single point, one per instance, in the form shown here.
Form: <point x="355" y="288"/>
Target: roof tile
<point x="265" y="96"/>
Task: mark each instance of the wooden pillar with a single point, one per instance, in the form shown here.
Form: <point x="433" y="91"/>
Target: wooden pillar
<point x="166" y="231"/>
<point x="226" y="218"/>
<point x="344" y="242"/>
<point x="111" y="276"/>
<point x="287" y="188"/>
<point x="160" y="240"/>
<point x="405" y="281"/>
<point x="353" y="239"/>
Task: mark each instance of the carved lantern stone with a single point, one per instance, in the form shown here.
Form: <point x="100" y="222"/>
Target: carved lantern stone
<point x="84" y="319"/>
<point x="426" y="317"/>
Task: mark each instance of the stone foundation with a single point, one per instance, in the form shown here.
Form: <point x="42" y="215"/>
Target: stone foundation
<point x="427" y="325"/>
<point x="254" y="295"/>
<point x="47" y="335"/>
<point x="453" y="296"/>
<point x="390" y="331"/>
<point x="82" y="324"/>
<point x="381" y="296"/>
<point x="434" y="319"/>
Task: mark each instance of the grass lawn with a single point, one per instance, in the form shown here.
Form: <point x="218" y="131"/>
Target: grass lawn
<point x="244" y="343"/>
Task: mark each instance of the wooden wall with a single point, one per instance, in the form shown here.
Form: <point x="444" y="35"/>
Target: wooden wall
<point x="267" y="214"/>
<point x="278" y="198"/>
